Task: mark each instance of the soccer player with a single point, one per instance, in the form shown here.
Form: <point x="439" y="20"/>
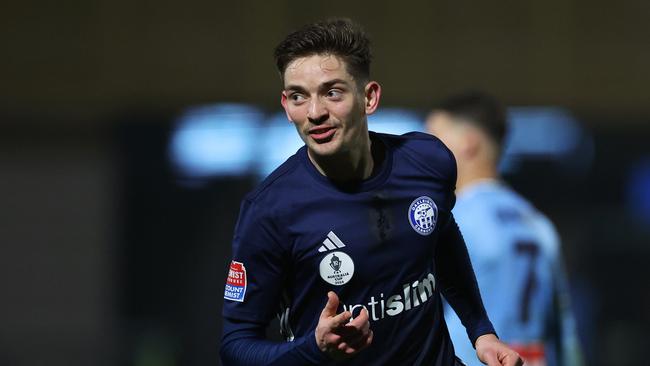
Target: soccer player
<point x="353" y="234"/>
<point x="513" y="247"/>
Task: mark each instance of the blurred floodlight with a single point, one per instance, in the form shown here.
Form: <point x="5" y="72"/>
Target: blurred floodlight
<point x="549" y="133"/>
<point x="231" y="140"/>
<point x="216" y="140"/>
<point x="396" y="121"/>
<point x="281" y="140"/>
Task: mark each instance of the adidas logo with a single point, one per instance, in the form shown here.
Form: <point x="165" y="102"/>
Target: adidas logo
<point x="331" y="242"/>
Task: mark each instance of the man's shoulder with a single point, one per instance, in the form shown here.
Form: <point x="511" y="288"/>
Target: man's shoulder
<point x="424" y="150"/>
<point x="505" y="203"/>
<point x="414" y="140"/>
<point x="522" y="204"/>
<point x="280" y="182"/>
<point x="504" y="207"/>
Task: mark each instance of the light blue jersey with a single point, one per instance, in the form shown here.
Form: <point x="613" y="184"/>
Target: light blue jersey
<point x="516" y="256"/>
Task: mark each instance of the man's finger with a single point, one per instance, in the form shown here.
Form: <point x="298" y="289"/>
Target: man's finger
<point x="351" y="335"/>
<point x="333" y="338"/>
<point x="342" y="346"/>
<point x="362" y="322"/>
<point x="358" y="341"/>
<point x="331" y="305"/>
<point x="357" y="330"/>
<point x="340" y="320"/>
<point x="512" y="359"/>
<point x="491" y="359"/>
<point x="359" y="345"/>
<point x="370" y="337"/>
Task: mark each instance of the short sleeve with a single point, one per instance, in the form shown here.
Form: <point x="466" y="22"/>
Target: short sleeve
<point x="256" y="274"/>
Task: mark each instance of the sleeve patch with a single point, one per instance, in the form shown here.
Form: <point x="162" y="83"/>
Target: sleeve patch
<point x="236" y="282"/>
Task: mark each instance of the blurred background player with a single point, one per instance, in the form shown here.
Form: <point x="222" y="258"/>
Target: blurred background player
<point x="514" y="249"/>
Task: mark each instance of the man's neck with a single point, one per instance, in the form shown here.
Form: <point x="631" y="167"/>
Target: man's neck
<point x="354" y="165"/>
<point x="473" y="174"/>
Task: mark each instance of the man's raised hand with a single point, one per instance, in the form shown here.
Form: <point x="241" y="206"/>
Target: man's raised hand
<point x="339" y="337"/>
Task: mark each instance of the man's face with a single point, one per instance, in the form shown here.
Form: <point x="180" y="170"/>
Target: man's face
<point x="452" y="134"/>
<point x="324" y="102"/>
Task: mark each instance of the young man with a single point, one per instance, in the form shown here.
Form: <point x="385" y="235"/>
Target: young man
<point x="353" y="234"/>
<point x="513" y="247"/>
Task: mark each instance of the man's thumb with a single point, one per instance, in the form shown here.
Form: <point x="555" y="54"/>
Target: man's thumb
<point x="490" y="359"/>
<point x="332" y="304"/>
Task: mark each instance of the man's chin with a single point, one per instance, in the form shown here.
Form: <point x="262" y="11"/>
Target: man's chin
<point x="327" y="149"/>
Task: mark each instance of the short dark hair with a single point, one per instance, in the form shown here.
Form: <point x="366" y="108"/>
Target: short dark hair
<point x="480" y="109"/>
<point x="340" y="36"/>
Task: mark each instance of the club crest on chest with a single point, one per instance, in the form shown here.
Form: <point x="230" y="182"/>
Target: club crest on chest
<point x="423" y="215"/>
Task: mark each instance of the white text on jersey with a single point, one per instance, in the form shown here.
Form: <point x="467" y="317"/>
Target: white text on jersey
<point x="412" y="295"/>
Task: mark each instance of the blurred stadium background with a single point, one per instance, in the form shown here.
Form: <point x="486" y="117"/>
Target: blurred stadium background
<point x="130" y="130"/>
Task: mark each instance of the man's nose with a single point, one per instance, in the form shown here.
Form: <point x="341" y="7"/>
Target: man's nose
<point x="317" y="113"/>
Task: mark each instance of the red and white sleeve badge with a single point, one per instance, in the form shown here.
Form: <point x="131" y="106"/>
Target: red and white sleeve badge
<point x="236" y="282"/>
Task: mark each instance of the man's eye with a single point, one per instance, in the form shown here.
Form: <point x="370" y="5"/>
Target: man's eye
<point x="297" y="97"/>
<point x="334" y="93"/>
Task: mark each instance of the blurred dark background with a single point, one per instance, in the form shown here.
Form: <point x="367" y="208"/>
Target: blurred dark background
<point x="114" y="254"/>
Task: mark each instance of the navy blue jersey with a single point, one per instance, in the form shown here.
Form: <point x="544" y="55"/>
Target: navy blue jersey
<point x="388" y="243"/>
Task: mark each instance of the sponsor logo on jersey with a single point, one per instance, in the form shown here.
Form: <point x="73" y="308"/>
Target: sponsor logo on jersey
<point x="236" y="282"/>
<point x="410" y="297"/>
<point x="423" y="215"/>
<point x="331" y="242"/>
<point x="336" y="268"/>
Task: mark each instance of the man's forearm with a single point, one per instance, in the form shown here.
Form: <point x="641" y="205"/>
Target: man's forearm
<point x="244" y="344"/>
<point x="459" y="284"/>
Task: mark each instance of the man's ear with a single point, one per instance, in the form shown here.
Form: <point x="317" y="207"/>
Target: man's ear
<point x="471" y="142"/>
<point x="372" y="94"/>
<point x="284" y="101"/>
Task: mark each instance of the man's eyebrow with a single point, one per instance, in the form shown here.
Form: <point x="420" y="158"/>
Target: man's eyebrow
<point x="325" y="85"/>
<point x="332" y="82"/>
<point x="292" y="87"/>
